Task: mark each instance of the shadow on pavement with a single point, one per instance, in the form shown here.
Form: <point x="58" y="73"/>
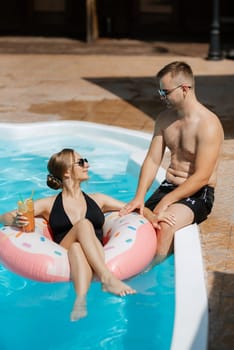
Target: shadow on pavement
<point x="221" y="332"/>
<point x="215" y="92"/>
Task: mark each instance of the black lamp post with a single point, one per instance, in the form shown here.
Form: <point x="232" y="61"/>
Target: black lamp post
<point x="215" y="53"/>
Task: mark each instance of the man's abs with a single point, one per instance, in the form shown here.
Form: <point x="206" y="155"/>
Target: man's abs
<point x="177" y="177"/>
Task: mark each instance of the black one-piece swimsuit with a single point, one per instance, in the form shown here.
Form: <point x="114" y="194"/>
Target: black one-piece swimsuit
<point x="60" y="223"/>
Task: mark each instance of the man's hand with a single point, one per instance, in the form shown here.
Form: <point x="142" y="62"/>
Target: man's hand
<point x="155" y="219"/>
<point x="169" y="218"/>
<point x="135" y="204"/>
<point x="161" y="207"/>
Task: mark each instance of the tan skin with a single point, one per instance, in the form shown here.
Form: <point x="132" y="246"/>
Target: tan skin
<point x="85" y="252"/>
<point x="194" y="136"/>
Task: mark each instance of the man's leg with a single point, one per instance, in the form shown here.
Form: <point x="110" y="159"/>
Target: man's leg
<point x="183" y="216"/>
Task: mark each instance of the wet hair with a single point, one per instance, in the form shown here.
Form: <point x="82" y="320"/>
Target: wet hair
<point x="176" y="69"/>
<point x="57" y="166"/>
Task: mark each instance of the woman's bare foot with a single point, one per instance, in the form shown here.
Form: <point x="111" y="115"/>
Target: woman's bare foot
<point x="113" y="285"/>
<point x="79" y="309"/>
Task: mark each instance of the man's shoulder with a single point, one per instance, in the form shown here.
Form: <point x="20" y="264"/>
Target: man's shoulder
<point x="209" y="125"/>
<point x="208" y="116"/>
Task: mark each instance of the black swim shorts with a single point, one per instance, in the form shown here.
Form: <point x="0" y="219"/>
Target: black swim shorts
<point x="200" y="203"/>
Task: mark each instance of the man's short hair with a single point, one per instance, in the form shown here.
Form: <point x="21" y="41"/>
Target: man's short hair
<point x="176" y="68"/>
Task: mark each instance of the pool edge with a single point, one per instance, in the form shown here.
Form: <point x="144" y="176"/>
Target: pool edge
<point x="191" y="305"/>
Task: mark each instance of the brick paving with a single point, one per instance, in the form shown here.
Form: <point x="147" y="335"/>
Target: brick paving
<point x="112" y="83"/>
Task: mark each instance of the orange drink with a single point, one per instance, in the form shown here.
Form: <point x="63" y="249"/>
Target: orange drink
<point x="27" y="209"/>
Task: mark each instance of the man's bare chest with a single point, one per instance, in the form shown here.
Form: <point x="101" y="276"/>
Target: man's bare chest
<point x="181" y="140"/>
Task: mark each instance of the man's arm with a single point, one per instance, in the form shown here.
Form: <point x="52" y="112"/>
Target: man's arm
<point x="148" y="172"/>
<point x="209" y="144"/>
<point x="150" y="167"/>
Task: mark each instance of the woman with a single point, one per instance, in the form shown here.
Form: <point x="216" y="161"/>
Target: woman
<point x="76" y="221"/>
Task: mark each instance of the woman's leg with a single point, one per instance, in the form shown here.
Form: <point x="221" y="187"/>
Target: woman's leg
<point x="83" y="233"/>
<point x="81" y="274"/>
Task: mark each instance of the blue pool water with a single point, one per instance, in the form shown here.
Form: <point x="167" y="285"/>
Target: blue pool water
<point x="36" y="315"/>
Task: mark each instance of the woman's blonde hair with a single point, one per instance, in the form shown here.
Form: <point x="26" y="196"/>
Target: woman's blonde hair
<point x="57" y="166"/>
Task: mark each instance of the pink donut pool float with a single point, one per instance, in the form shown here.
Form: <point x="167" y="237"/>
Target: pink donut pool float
<point x="129" y="243"/>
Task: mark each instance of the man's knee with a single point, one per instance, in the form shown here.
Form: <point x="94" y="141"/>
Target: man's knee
<point x="166" y="228"/>
<point x="183" y="215"/>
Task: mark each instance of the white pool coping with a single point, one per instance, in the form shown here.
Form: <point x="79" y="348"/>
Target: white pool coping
<point x="191" y="304"/>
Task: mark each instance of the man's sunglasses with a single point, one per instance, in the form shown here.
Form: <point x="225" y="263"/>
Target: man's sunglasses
<point x="165" y="92"/>
<point x="81" y="162"/>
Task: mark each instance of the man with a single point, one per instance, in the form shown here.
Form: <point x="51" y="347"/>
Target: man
<point x="194" y="136"/>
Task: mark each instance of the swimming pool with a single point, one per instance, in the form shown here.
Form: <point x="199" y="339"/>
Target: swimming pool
<point x="190" y="329"/>
<point x="38" y="313"/>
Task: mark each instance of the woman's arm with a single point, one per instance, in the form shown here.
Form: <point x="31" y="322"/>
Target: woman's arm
<point x="42" y="207"/>
<point x="9" y="218"/>
<point x="107" y="203"/>
<point x="16" y="218"/>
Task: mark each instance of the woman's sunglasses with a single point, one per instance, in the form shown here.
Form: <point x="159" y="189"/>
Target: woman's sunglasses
<point x="81" y="162"/>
